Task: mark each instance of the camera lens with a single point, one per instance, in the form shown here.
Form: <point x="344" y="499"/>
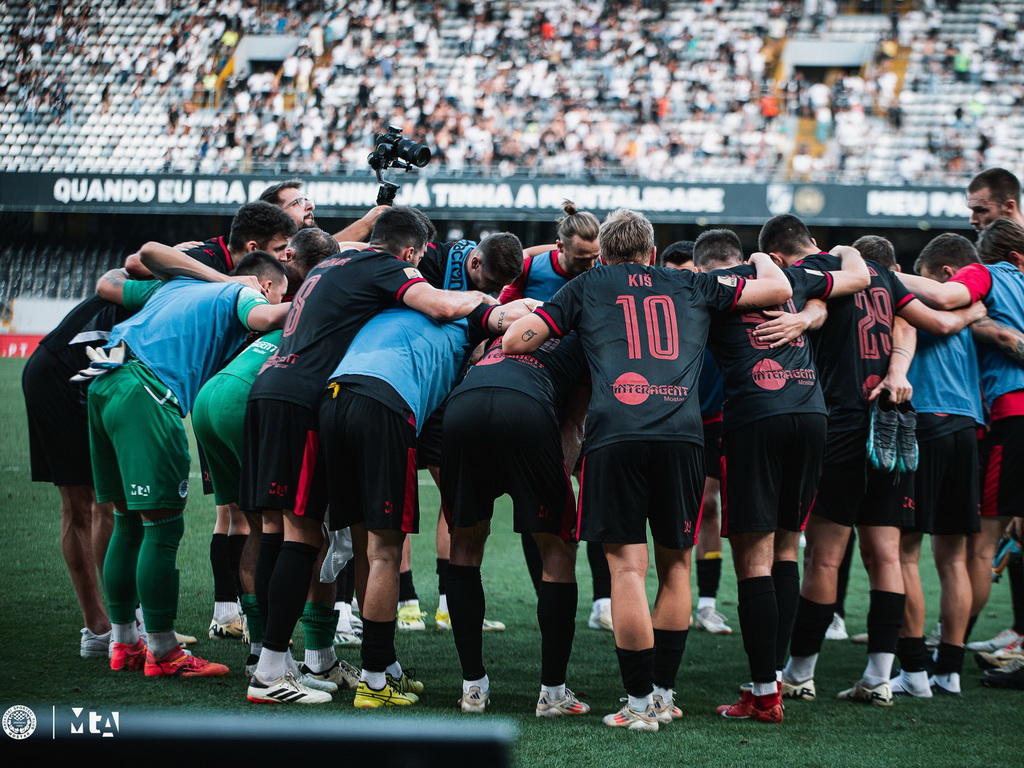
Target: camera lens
<point x="413" y="152"/>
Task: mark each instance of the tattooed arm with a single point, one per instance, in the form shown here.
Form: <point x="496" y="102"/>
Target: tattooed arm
<point x="110" y="286"/>
<point x="1008" y="340"/>
<point x="502" y="316"/>
<point x="525" y="335"/>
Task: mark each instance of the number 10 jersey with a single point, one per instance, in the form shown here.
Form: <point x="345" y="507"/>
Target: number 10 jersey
<point x="644" y="330"/>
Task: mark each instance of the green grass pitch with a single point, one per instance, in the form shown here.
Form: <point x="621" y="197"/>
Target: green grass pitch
<point x="39" y="622"/>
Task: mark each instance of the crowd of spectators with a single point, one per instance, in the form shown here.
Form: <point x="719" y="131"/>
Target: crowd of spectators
<point x="978" y="76"/>
<point x="551" y="87"/>
<point x="41" y="93"/>
<point x="646" y="88"/>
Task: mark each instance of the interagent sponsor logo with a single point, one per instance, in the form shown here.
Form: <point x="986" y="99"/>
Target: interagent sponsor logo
<point x="19" y="722"/>
<point x="768" y="374"/>
<point x="105" y="724"/>
<point x="633" y="389"/>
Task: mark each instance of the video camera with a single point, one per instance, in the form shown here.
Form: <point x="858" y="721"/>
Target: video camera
<point x="392" y="149"/>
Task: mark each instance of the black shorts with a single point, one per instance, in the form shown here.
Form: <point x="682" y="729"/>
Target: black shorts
<point x="369" y="452"/>
<point x="58" y="426"/>
<point x="946" y="497"/>
<point x="626" y="485"/>
<point x="499" y="441"/>
<point x="428" y="443"/>
<point x="1002" y="462"/>
<point x="770" y="471"/>
<point x="854" y="493"/>
<point x="279" y="460"/>
<point x="713" y="450"/>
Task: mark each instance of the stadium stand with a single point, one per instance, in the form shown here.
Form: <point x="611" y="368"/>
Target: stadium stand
<point x="652" y="89"/>
<point x="46" y="272"/>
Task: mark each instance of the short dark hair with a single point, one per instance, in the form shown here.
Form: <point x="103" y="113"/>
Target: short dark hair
<point x="878" y="249"/>
<point x="311" y="246"/>
<point x="398" y="228"/>
<point x="501" y="254"/>
<point x="998" y="239"/>
<point x="717" y="246"/>
<point x="786" y="234"/>
<point x="946" y="250"/>
<point x="272" y="194"/>
<point x="431" y="229"/>
<point x="1001" y="184"/>
<point x="261" y="222"/>
<point x="679" y="252"/>
<point x="262" y="266"/>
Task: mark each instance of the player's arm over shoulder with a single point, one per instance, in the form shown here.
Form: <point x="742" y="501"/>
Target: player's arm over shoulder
<point x="116" y="287"/>
<point x="770" y="288"/>
<point x="960" y="291"/>
<point x="526" y="335"/>
<point x="853" y="275"/>
<point x="256" y="313"/>
<point x="443" y="305"/>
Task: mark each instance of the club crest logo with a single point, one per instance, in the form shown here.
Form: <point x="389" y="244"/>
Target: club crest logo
<point x="19" y="722"/>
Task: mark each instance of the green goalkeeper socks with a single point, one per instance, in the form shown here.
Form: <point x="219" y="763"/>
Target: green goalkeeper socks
<point x="120" y="565"/>
<point x="157" y="574"/>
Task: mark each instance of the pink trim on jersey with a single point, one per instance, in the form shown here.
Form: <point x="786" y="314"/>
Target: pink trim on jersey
<point x="739" y="292"/>
<point x="309" y="454"/>
<point x="547" y="319"/>
<point x="227" y="253"/>
<point x="976" y="279"/>
<point x="517" y="288"/>
<point x="558" y="267"/>
<point x="401" y="291"/>
<point x="906" y="300"/>
<point x="487" y="315"/>
<point x="831" y="285"/>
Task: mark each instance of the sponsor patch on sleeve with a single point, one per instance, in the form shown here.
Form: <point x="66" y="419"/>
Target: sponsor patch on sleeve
<point x="412" y="273"/>
<point x="815" y="272"/>
<point x="730" y="280"/>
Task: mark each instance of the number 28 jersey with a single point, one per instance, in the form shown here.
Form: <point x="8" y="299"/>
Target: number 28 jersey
<point x="644" y="330"/>
<point x="853" y="347"/>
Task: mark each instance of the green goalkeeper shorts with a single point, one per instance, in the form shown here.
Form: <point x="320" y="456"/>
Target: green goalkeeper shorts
<point x="137" y="440"/>
<point x="218" y="417"/>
